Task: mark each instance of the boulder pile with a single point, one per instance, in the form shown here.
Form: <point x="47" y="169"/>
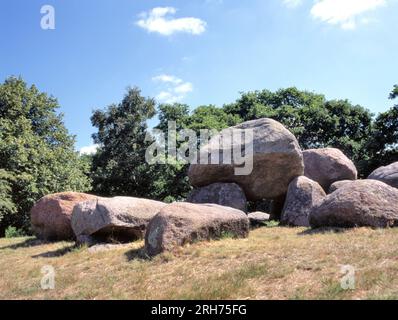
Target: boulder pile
<point x="295" y="181"/>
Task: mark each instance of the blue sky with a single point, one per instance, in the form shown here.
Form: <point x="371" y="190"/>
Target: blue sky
<point x="199" y="51"/>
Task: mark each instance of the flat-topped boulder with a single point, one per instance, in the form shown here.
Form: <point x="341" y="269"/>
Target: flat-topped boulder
<point x="387" y="174"/>
<point x="119" y="219"/>
<point x="51" y="215"/>
<point x="181" y="223"/>
<point x="363" y="203"/>
<point x="258" y="219"/>
<point x="223" y="194"/>
<point x="276" y="160"/>
<point x="302" y="196"/>
<point x="327" y="166"/>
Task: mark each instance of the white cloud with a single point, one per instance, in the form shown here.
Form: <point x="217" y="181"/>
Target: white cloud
<point x="167" y="79"/>
<point x="184" y="88"/>
<point x="174" y="88"/>
<point x="168" y="97"/>
<point x="292" y="3"/>
<point x="164" y="95"/>
<point x="344" y="13"/>
<point x="160" y="20"/>
<point x="89" y="150"/>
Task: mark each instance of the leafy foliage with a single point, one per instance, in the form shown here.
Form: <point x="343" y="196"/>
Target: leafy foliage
<point x="7" y="206"/>
<point x="394" y="92"/>
<point x="12" y="232"/>
<point x="383" y="144"/>
<point x="37" y="154"/>
<point x="272" y="224"/>
<point x="210" y="117"/>
<point x="120" y="167"/>
<point x="173" y="112"/>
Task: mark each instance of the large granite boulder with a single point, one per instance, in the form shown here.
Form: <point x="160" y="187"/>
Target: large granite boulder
<point x="338" y="184"/>
<point x="303" y="194"/>
<point x="387" y="174"/>
<point x="327" y="166"/>
<point x="363" y="203"/>
<point x="120" y="219"/>
<point x="51" y="215"/>
<point x="223" y="194"/>
<point x="276" y="155"/>
<point x="181" y="223"/>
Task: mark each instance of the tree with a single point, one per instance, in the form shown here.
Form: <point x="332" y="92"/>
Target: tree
<point x="173" y="112"/>
<point x="119" y="166"/>
<point x="37" y="155"/>
<point x="212" y="118"/>
<point x="383" y="145"/>
<point x="7" y="206"/>
<point x="394" y="92"/>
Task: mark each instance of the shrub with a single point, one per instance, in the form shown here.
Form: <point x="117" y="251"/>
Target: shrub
<point x="12" y="232"/>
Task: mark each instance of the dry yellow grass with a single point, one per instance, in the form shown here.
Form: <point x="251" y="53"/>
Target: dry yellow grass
<point x="274" y="263"/>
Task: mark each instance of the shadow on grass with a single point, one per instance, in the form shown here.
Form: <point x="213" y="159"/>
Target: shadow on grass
<point x="31" y="242"/>
<point x="58" y="253"/>
<point x="137" y="254"/>
<point x="325" y="230"/>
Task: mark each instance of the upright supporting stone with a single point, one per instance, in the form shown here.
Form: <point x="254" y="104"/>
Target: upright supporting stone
<point x="302" y="196"/>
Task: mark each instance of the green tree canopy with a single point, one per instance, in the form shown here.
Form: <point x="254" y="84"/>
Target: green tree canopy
<point x="173" y="112"/>
<point x="383" y="144"/>
<point x="7" y="206"/>
<point x="37" y="153"/>
<point x="210" y="117"/>
<point x="119" y="166"/>
<point x="394" y="93"/>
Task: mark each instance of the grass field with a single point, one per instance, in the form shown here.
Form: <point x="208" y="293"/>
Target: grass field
<point x="274" y="263"/>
